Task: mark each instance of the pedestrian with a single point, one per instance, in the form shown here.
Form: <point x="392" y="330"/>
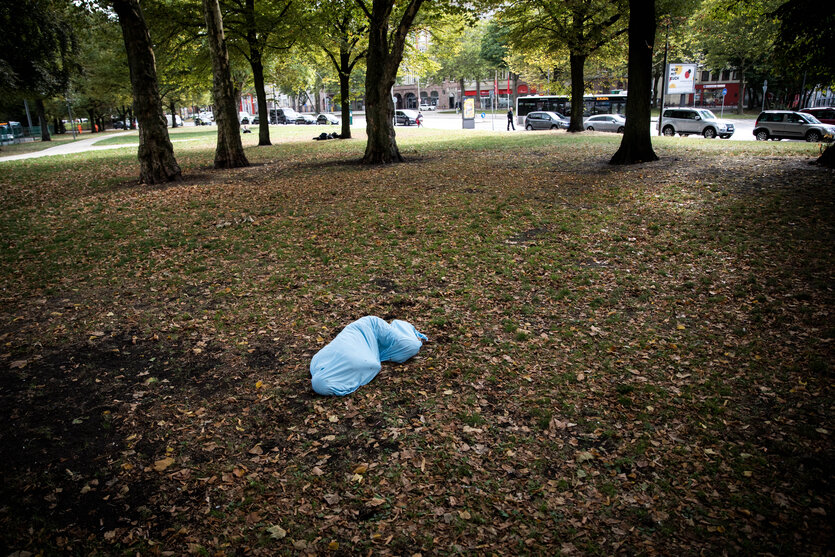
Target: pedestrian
<point x="419" y="119"/>
<point x="510" y="123"/>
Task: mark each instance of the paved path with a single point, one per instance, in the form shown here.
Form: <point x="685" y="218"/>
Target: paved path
<point x="70" y="147"/>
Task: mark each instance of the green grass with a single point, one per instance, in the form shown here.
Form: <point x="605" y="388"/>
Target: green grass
<point x="633" y="354"/>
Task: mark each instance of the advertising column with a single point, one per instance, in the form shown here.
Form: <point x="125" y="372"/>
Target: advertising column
<point x="468" y="114"/>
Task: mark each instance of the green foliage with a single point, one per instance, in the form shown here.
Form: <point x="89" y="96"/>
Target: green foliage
<point x="806" y="41"/>
<point x="37" y="47"/>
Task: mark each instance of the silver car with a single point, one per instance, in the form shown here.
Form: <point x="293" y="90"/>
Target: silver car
<point x="605" y="123"/>
<point x="688" y="120"/>
<point x="787" y="124"/>
<point x="545" y="121"/>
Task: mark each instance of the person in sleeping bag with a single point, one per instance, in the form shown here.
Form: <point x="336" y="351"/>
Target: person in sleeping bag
<point x="354" y="357"/>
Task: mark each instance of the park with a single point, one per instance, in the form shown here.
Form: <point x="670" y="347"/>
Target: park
<point x="416" y="340"/>
<point x="621" y="359"/>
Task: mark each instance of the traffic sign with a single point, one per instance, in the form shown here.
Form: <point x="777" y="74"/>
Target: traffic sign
<point x="724" y="92"/>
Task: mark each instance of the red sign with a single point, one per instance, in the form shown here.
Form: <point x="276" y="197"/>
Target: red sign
<point x="522" y="89"/>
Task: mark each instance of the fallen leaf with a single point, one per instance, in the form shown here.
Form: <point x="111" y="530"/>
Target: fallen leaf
<point x="376" y="502"/>
<point x="277" y="532"/>
<point x="162" y="464"/>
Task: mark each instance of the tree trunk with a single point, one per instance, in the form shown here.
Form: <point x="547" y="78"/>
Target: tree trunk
<point x="257" y="64"/>
<point x="230" y="151"/>
<point x="41" y="111"/>
<point x="463" y="88"/>
<point x="827" y="159"/>
<point x="740" y="108"/>
<point x="636" y="145"/>
<point x="383" y="59"/>
<point x="260" y="96"/>
<point x="577" y="62"/>
<point x="379" y="115"/>
<point x="156" y="155"/>
<point x="173" y="114"/>
<point x="514" y="83"/>
<point x="92" y="117"/>
<point x="345" y="90"/>
<point x="478" y="92"/>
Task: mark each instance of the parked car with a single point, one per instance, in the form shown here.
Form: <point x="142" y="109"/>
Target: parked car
<point x="119" y="125"/>
<point x="545" y="121"/>
<point x="427" y="107"/>
<point x="826" y="114"/>
<point x="285" y="116"/>
<point x="177" y="119"/>
<point x="206" y="117"/>
<point x="405" y="117"/>
<point x="688" y="120"/>
<point x="327" y="119"/>
<point x="605" y="123"/>
<point x="306" y="119"/>
<point x="787" y="124"/>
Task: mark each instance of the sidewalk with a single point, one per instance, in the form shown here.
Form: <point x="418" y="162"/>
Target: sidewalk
<point x="70" y="147"/>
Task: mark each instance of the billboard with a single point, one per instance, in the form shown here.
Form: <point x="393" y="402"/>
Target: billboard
<point x="681" y="79"/>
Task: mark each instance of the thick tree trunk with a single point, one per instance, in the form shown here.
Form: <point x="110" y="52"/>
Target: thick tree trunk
<point x="260" y="96"/>
<point x="156" y="155"/>
<point x="92" y="114"/>
<point x="636" y="145"/>
<point x="382" y="63"/>
<point x="827" y="159"/>
<point x="345" y="90"/>
<point x="577" y="62"/>
<point x="230" y="151"/>
<point x="41" y="111"/>
<point x="379" y="79"/>
<point x="257" y="64"/>
<point x="379" y="116"/>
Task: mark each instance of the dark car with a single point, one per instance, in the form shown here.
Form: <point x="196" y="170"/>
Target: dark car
<point x="306" y="119"/>
<point x="325" y="119"/>
<point x="787" y="124"/>
<point x="405" y="117"/>
<point x="545" y="121"/>
<point x="119" y="125"/>
<point x="285" y="116"/>
<point x="825" y="114"/>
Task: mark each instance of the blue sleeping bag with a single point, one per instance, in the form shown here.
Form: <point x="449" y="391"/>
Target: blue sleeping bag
<point x="353" y="358"/>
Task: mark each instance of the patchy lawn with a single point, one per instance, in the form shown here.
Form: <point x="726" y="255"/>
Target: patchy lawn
<point x="621" y="360"/>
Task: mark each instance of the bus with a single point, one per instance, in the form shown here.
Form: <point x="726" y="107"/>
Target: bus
<point x="610" y="103"/>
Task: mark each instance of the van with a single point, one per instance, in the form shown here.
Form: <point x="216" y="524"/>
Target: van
<point x="686" y="121"/>
<point x="168" y="120"/>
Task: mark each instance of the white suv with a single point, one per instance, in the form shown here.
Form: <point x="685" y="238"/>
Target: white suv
<point x="686" y="121"/>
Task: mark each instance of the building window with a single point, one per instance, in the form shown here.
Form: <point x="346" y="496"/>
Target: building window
<point x="726" y="75"/>
<point x="705" y="75"/>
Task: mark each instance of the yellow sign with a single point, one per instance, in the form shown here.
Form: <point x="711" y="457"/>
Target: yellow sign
<point x="469" y="108"/>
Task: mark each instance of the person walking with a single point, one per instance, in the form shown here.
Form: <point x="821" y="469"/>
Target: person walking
<point x="510" y="123"/>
